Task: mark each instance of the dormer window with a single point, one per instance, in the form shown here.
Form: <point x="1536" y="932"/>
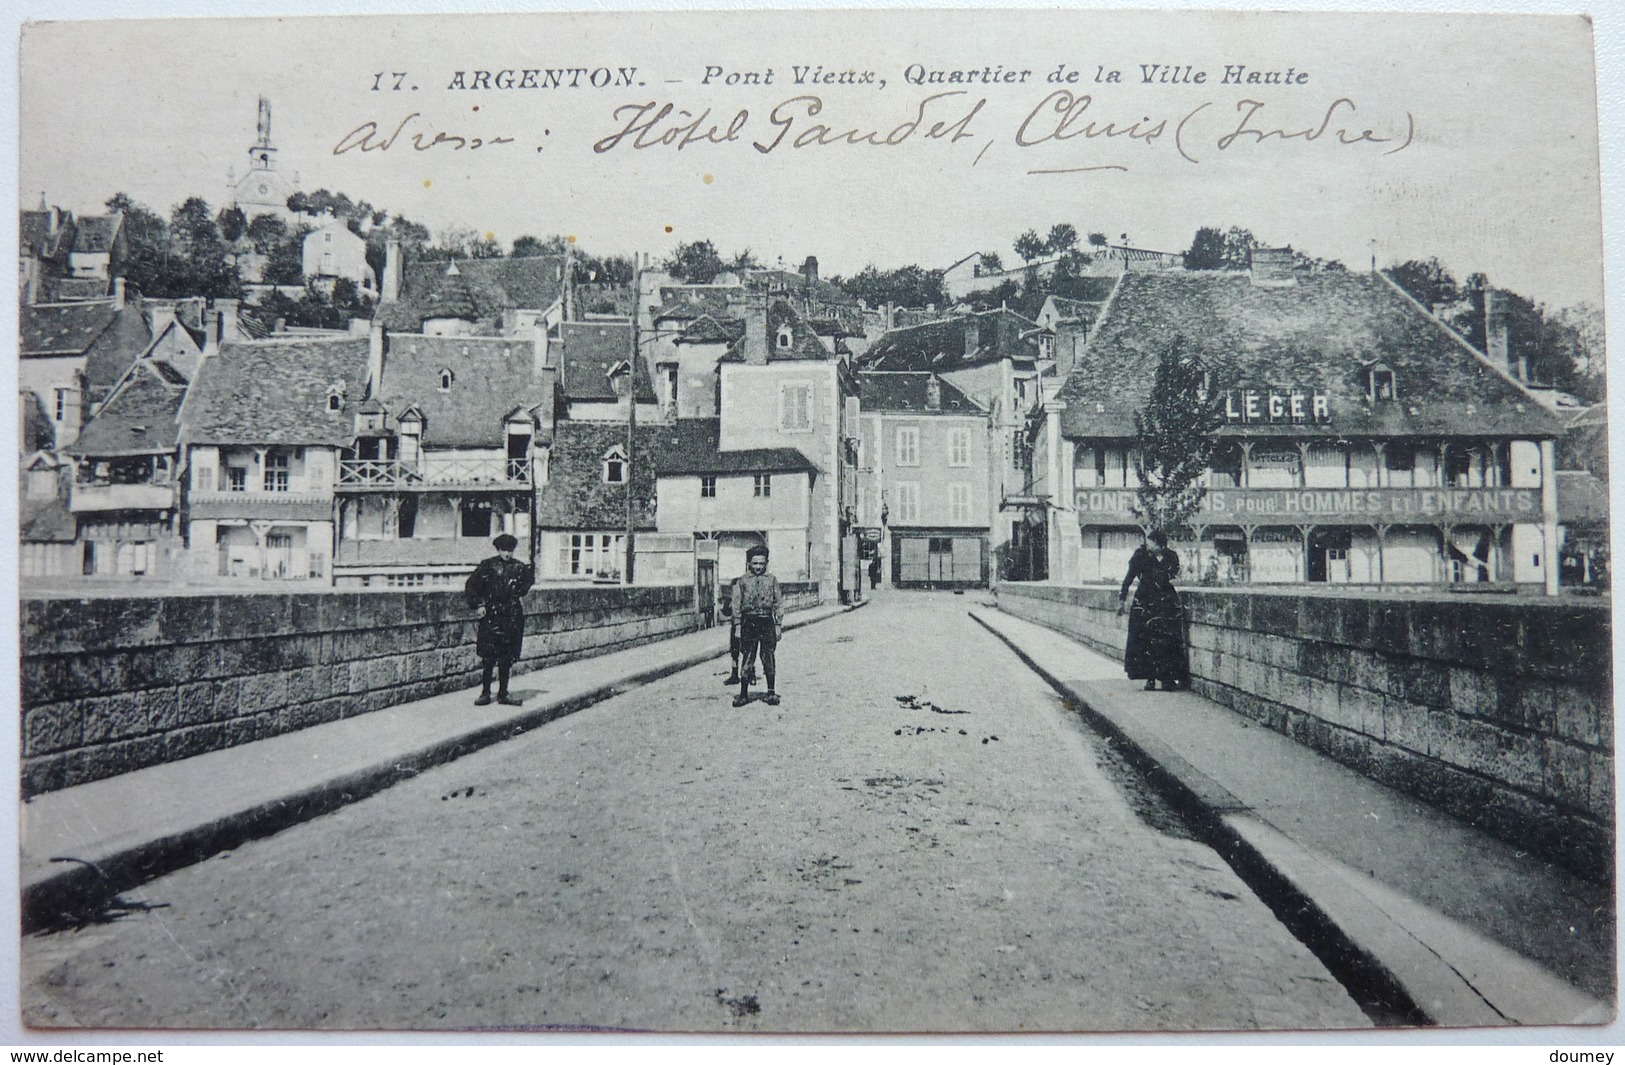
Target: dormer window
<point x="615" y="465"/>
<point x="1382" y="387"/>
<point x="335" y="399"/>
<point x="445" y="380"/>
<point x="786" y="337"/>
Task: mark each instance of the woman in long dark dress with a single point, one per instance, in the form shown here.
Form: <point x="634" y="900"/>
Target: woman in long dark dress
<point x="1156" y="621"/>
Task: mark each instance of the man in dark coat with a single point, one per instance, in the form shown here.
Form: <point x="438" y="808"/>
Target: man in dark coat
<point x="498" y="586"/>
<point x="758" y="618"/>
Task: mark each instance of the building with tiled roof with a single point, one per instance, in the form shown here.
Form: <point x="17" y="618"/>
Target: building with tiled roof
<point x="45" y="241"/>
<point x="445" y="456"/>
<point x="264" y="426"/>
<point x="581" y="511"/>
<point x="125" y="495"/>
<point x="588" y="353"/>
<point x="1364" y="442"/>
<point x="99" y="247"/>
<point x="494" y="291"/>
<point x="48" y="534"/>
<point x="925" y="490"/>
<point x="729" y="500"/>
<point x="71" y="355"/>
<point x="995" y="357"/>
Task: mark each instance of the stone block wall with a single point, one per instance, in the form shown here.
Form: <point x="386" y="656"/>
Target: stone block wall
<point x="111" y="685"/>
<point x="1499" y="711"/>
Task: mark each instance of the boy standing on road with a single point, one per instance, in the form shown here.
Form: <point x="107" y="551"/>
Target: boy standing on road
<point x="758" y="619"/>
<point x="727" y="610"/>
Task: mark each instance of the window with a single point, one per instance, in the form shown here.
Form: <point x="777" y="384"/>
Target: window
<point x="1400" y="458"/>
<point x="62" y="403"/>
<point x="908" y="502"/>
<point x="335" y="401"/>
<point x="236" y="478"/>
<point x="959" y="502"/>
<point x="615" y="466"/>
<point x="795" y="408"/>
<point x="276" y="471"/>
<point x="786" y="338"/>
<point x="404" y="580"/>
<point x="445" y="380"/>
<point x="327" y="238"/>
<point x="908" y="447"/>
<point x="596" y="555"/>
<point x="708" y="486"/>
<point x="1383" y="386"/>
<point x="959" y="447"/>
<point x="762" y="487"/>
<point x="205" y="479"/>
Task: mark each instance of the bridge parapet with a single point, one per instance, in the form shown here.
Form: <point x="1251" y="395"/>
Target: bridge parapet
<point x="114" y="684"/>
<point x="1497" y="711"/>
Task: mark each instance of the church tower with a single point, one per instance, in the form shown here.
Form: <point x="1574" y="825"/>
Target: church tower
<point x="263" y="189"/>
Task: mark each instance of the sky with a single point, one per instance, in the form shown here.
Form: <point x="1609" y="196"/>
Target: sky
<point x="1483" y="148"/>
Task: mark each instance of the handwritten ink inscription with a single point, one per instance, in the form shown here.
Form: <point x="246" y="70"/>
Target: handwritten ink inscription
<point x="1065" y="131"/>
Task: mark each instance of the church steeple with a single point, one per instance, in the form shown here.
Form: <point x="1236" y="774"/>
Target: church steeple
<point x="262" y="152"/>
<point x="262" y="189"/>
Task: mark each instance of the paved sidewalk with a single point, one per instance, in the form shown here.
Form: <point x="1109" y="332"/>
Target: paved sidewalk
<point x="1433" y="917"/>
<point x="83" y="845"/>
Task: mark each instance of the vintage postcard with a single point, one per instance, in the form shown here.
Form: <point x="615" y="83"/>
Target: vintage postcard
<point x="813" y="521"/>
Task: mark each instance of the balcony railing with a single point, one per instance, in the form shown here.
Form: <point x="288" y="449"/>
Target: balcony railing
<point x="434" y="471"/>
<point x="92" y="497"/>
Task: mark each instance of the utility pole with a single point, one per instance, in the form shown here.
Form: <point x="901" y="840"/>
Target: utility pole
<point x="632" y="416"/>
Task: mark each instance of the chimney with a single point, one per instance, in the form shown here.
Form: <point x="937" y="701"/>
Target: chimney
<point x="933" y="392"/>
<point x="118" y="293"/>
<point x="162" y="315"/>
<point x="756" y="333"/>
<point x="1069" y="337"/>
<point x="1272" y="268"/>
<point x="377" y="343"/>
<point x="809" y="270"/>
<point x="279" y="325"/>
<point x="1498" y="334"/>
<point x="392" y="272"/>
<point x="973" y="335"/>
<point x="231" y="330"/>
<point x="211" y="332"/>
<point x="538" y="353"/>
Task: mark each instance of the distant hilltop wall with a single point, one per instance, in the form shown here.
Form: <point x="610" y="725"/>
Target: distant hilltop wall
<point x="111" y="685"/>
<point x="1500" y="712"/>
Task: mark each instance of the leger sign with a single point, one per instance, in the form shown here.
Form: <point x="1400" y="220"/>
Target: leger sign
<point x="1276" y="405"/>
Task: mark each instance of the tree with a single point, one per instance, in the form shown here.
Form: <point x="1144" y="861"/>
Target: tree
<point x="200" y="261"/>
<point x="1429" y="282"/>
<point x="266" y="231"/>
<point x="1206" y="251"/>
<point x="233" y="223"/>
<point x="1176" y="435"/>
<point x="1063" y="237"/>
<point x="992" y="262"/>
<point x="285" y="261"/>
<point x="1097" y="240"/>
<point x="695" y="262"/>
<point x="1029" y="246"/>
<point x="147" y="265"/>
<point x="528" y="247"/>
<point x="906" y="286"/>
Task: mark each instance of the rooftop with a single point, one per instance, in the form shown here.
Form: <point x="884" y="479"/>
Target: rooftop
<point x="1322" y="334"/>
